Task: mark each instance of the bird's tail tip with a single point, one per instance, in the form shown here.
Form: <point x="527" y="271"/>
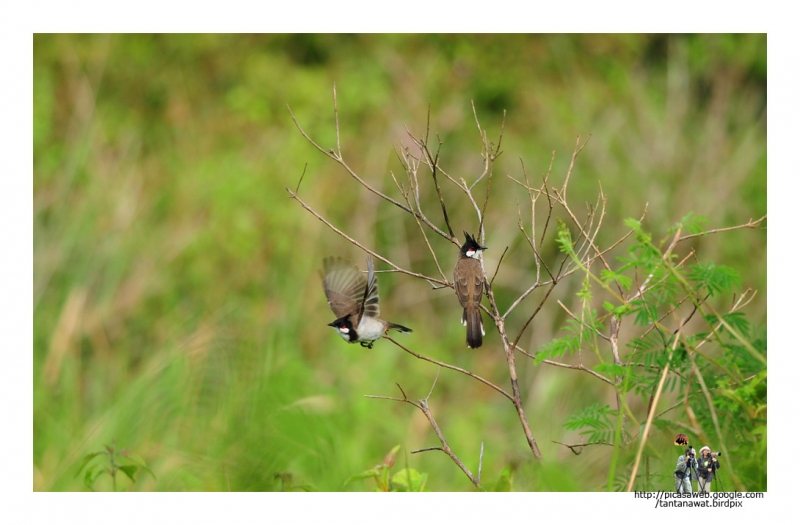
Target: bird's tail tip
<point x="400" y="328"/>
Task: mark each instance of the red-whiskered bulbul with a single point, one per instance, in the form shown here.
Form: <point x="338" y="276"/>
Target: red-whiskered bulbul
<point x="468" y="283"/>
<point x="354" y="301"/>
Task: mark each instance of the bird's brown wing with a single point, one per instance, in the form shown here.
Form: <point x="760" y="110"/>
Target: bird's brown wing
<point x="468" y="290"/>
<point x="345" y="287"/>
<point x="371" y="306"/>
<point x="477" y="288"/>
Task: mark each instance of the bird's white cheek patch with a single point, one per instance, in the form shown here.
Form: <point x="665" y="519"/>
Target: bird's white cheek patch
<point x="344" y="330"/>
<point x="470" y="253"/>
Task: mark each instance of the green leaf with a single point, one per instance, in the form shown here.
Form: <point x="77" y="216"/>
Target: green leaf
<point x="690" y="223"/>
<point x="609" y="277"/>
<point x="646" y="312"/>
<point x="633" y="224"/>
<point x="738" y="321"/>
<point x="716" y="279"/>
<point x="618" y="311"/>
<point x="137" y="461"/>
<point x="85" y="461"/>
<point x="594" y="422"/>
<point x="585" y="292"/>
<point x="610" y="369"/>
<point x="389" y="459"/>
<point x="371" y="473"/>
<point x="88" y="479"/>
<point x="409" y="480"/>
<point x="92" y="473"/>
<point x="558" y="347"/>
<point x="129" y="471"/>
<point x="505" y="480"/>
<point x="564" y="238"/>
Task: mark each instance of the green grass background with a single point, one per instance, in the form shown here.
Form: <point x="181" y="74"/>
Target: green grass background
<point x="177" y="304"/>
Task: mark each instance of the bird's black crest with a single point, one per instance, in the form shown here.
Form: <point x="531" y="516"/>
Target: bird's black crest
<point x="471" y="243"/>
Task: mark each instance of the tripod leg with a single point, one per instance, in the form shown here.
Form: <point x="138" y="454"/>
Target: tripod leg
<point x="702" y="485"/>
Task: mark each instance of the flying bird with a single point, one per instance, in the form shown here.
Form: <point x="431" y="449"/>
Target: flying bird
<point x="468" y="281"/>
<point x="354" y="301"/>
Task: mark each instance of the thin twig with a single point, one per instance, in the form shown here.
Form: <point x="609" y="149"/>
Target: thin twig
<point x="425" y="237"/>
<point x="569" y="313"/>
<point x="498" y="265"/>
<point x="337" y="157"/>
<point x="297" y="190"/>
<point x="653" y="405"/>
<point x="434" y="166"/>
<point x="427" y="449"/>
<point x="512" y="373"/>
<point x="750" y="224"/>
<point x="294" y="196"/>
<point x="423" y="406"/>
<point x="579" y="446"/>
<point x="480" y="463"/>
<point x="565" y="365"/>
<point x="336" y="120"/>
<point x="452" y="367"/>
<point x="575" y="153"/>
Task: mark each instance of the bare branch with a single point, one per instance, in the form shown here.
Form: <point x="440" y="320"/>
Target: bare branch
<point x="480" y="463"/>
<point x="578" y="447"/>
<point x="425" y="237"/>
<point x="491" y="156"/>
<point x="565" y="365"/>
<point x="356" y="243"/>
<point x="651" y="412"/>
<point x="434" y="383"/>
<point x="301" y="178"/>
<point x="569" y="313"/>
<point x="434" y="166"/>
<point x="512" y="373"/>
<point x="525" y="326"/>
<point x="498" y="265"/>
<point x="575" y="153"/>
<point x="336" y="119"/>
<point x="427" y="449"/>
<point x="335" y="156"/>
<point x="452" y="367"/>
<point x="750" y="224"/>
<point x="547" y="193"/>
<point x="422" y="405"/>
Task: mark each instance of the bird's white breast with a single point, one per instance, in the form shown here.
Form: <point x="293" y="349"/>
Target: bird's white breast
<point x="370" y="328"/>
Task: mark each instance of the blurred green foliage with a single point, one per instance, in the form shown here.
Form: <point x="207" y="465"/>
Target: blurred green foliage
<point x="177" y="305"/>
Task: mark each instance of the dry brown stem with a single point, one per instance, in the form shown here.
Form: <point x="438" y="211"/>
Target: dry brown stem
<point x="424" y="407"/>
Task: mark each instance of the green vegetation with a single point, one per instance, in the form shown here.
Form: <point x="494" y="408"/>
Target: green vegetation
<point x="178" y="310"/>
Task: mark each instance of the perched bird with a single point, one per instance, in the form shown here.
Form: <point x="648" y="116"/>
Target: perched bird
<point x="354" y="301"/>
<point x="468" y="281"/>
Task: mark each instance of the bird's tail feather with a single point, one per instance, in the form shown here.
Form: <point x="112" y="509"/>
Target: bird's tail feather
<point x="400" y="328"/>
<point x="472" y="318"/>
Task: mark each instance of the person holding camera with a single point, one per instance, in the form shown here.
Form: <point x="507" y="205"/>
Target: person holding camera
<point x="683" y="471"/>
<point x="706" y="469"/>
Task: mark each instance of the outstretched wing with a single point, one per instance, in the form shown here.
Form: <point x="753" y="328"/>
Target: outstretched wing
<point x="345" y="287"/>
<point x="371" y="308"/>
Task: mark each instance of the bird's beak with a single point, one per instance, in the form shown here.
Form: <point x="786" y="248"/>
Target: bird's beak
<point x="333" y="324"/>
